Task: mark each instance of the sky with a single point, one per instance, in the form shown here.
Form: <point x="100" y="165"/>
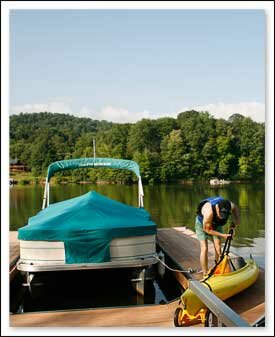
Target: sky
<point x="125" y="65"/>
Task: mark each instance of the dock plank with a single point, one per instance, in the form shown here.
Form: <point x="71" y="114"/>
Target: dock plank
<point x="147" y="315"/>
<point x="181" y="245"/>
<point x="246" y="302"/>
<point x="253" y="314"/>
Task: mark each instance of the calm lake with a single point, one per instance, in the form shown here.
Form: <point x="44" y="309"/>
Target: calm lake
<point x="169" y="206"/>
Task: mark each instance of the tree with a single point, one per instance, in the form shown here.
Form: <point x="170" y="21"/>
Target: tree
<point x="210" y="157"/>
<point x="144" y="136"/>
<point x="194" y="145"/>
<point x="165" y="125"/>
<point x="175" y="163"/>
<point x="196" y="129"/>
<point x="226" y="160"/>
<point x="149" y="163"/>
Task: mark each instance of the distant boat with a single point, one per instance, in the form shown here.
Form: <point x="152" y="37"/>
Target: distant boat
<point x="216" y="181"/>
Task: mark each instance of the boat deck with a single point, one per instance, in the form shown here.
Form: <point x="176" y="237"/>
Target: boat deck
<point x="182" y="247"/>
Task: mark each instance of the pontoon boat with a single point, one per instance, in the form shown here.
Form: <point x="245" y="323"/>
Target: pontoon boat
<point x="91" y="231"/>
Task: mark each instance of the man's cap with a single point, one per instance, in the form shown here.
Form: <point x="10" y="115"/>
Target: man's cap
<point x="224" y="208"/>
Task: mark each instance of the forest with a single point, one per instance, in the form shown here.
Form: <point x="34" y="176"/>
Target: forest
<point x="194" y="145"/>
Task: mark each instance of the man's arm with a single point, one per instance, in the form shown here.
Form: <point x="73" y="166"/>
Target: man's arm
<point x="207" y="222"/>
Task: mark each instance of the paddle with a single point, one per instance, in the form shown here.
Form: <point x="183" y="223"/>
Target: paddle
<point x="224" y="252"/>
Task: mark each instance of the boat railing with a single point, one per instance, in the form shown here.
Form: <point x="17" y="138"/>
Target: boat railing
<point x="221" y="310"/>
<point x="78" y="163"/>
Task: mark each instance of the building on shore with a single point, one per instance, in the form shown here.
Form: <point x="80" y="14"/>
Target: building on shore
<point x="17" y="166"/>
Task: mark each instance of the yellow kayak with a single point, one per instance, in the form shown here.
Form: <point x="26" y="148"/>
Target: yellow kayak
<point x="224" y="283"/>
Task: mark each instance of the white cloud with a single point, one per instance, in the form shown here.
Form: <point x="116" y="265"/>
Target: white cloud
<point x="36" y="107"/>
<point x="61" y="105"/>
<point x="254" y="110"/>
<point x="117" y="115"/>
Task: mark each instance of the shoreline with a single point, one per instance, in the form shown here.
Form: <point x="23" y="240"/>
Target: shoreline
<point x="22" y="180"/>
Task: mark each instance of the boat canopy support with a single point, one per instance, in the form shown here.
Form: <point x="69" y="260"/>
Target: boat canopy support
<point x="71" y="164"/>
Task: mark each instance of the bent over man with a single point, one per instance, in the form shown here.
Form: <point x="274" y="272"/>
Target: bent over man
<point x="212" y="215"/>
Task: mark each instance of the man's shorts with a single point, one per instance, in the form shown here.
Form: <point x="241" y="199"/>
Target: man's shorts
<point x="202" y="235"/>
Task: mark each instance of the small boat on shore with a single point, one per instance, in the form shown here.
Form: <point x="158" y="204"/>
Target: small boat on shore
<point x="91" y="231"/>
<point x="217" y="182"/>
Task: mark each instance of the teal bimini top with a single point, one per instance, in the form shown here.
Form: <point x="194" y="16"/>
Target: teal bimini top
<point x="86" y="225"/>
<point x="70" y="164"/>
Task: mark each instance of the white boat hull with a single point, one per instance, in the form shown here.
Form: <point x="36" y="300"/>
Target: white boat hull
<point x="50" y="255"/>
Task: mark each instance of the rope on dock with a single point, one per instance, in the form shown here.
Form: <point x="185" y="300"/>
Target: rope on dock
<point x="189" y="270"/>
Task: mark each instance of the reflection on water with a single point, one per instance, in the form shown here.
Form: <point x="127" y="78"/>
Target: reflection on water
<point x="169" y="206"/>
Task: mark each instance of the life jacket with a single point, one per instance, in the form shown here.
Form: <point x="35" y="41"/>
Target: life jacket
<point x="216" y="221"/>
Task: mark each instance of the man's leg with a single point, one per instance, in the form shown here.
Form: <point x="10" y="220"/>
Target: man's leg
<point x="218" y="248"/>
<point x="204" y="256"/>
<point x="202" y="237"/>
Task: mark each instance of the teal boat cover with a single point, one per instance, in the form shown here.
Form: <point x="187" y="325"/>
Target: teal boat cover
<point x="87" y="224"/>
<point x="71" y="164"/>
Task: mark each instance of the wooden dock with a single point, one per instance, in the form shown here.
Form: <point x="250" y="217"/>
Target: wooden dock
<point x="182" y="247"/>
<point x="181" y="244"/>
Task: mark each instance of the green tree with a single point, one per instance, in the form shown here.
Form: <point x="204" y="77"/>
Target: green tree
<point x="194" y="145"/>
<point x="165" y="125"/>
<point x="226" y="160"/>
<point x="175" y="163"/>
<point x="144" y="136"/>
<point x="196" y="129"/>
<point x="149" y="163"/>
<point x="210" y="156"/>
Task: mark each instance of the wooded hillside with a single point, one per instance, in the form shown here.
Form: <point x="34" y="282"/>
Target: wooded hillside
<point x="193" y="145"/>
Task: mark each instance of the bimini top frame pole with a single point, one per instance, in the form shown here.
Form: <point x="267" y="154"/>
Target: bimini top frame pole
<point x="70" y="164"/>
<point x="45" y="196"/>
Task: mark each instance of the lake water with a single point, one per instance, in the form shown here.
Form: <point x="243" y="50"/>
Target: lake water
<point x="169" y="206"/>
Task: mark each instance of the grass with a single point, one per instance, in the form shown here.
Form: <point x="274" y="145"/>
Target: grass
<point x="25" y="178"/>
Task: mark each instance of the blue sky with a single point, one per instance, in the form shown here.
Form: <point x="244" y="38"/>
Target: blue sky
<point x="124" y="65"/>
